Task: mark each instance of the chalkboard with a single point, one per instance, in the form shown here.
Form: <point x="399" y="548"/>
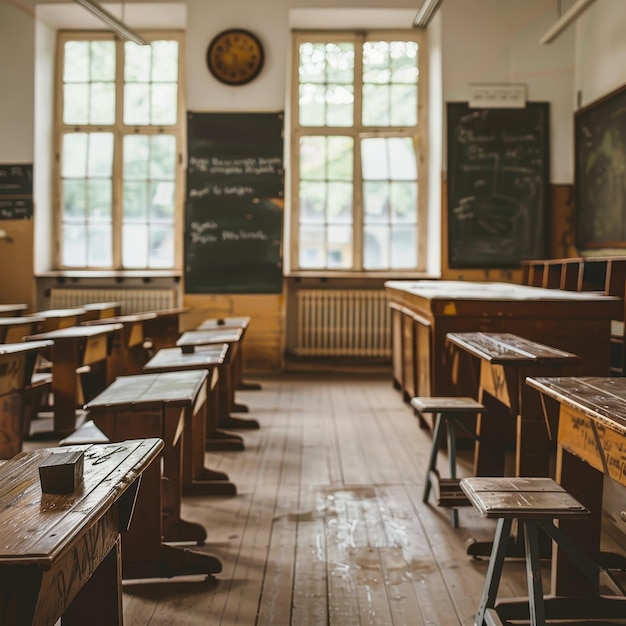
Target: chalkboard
<point x="498" y="185"/>
<point x="234" y="207"/>
<point x="600" y="173"/>
<point x="16" y="191"/>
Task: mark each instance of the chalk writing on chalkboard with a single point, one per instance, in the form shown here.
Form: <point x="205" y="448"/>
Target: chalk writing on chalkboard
<point x="234" y="207"/>
<point x="498" y="181"/>
<point x="16" y="191"/>
<point x="600" y="173"/>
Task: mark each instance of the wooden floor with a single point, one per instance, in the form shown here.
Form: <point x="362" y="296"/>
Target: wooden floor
<point x="328" y="526"/>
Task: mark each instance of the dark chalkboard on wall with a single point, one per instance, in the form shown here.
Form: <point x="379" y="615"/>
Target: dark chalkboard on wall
<point x="498" y="185"/>
<point x="600" y="173"/>
<point x="234" y="206"/>
<point x="16" y="191"/>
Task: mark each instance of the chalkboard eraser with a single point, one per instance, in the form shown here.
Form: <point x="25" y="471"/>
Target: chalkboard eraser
<point x="221" y="321"/>
<point x="62" y="472"/>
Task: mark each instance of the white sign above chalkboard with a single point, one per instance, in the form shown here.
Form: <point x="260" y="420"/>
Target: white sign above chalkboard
<point x="497" y="96"/>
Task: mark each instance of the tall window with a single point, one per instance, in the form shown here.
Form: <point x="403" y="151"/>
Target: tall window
<point x="119" y="176"/>
<point x="358" y="204"/>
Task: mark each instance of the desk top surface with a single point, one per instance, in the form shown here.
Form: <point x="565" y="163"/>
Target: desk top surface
<point x="205" y="337"/>
<point x="24" y="319"/>
<point x="600" y="398"/>
<point x="101" y="306"/>
<point x="131" y="318"/>
<point x="150" y="391"/>
<point x="54" y="313"/>
<point x="76" y="332"/>
<point x="34" y="527"/>
<point x="509" y="349"/>
<point x="12" y="308"/>
<point x="23" y="346"/>
<point x="470" y="290"/>
<point x="224" y="322"/>
<point x="168" y="358"/>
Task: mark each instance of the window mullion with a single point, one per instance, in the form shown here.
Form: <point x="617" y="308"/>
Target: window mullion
<point x="118" y="173"/>
<point x="358" y="218"/>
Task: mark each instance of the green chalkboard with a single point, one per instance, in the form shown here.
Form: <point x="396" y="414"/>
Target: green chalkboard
<point x="16" y="191"/>
<point x="600" y="173"/>
<point x="234" y="207"/>
<point x="498" y="185"/>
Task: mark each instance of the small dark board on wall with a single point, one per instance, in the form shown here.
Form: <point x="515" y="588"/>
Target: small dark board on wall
<point x="600" y="173"/>
<point x="234" y="205"/>
<point x="16" y="191"/>
<point x="498" y="185"/>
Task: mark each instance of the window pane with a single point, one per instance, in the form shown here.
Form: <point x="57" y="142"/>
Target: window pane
<point x="102" y="105"/>
<point x="376" y="247"/>
<point x="137" y="63"/>
<point x="403" y="105"/>
<point x="74" y="245"/>
<point x="374" y="162"/>
<point x="100" y="154"/>
<point x="99" y="248"/>
<point x="135" y="200"/>
<point x="162" y="205"/>
<point x="74" y="155"/>
<point x="339" y="254"/>
<point x="164" y="103"/>
<point x="376" y="62"/>
<point x="340" y="203"/>
<point x="99" y="199"/>
<point x="135" y="245"/>
<point x="163" y="157"/>
<point x="161" y="247"/>
<point x="76" y="62"/>
<point x="376" y="105"/>
<point x="102" y="61"/>
<point x="326" y="84"/>
<point x="136" y="156"/>
<point x="76" y="103"/>
<point x="73" y="199"/>
<point x="402" y="161"/>
<point x="136" y="104"/>
<point x="404" y="202"/>
<point x="312" y="202"/>
<point x="403" y="55"/>
<point x="312" y="247"/>
<point x="313" y="158"/>
<point x="376" y="201"/>
<point x="164" y="61"/>
<point x="403" y="247"/>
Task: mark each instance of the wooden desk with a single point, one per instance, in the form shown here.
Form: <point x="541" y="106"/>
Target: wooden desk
<point x="101" y="310"/>
<point x="128" y="354"/>
<point x="163" y="330"/>
<point x="60" y="554"/>
<point x="501" y="362"/>
<point x="214" y="359"/>
<point x="11" y="310"/>
<point x="17" y="362"/>
<point x="13" y="329"/>
<point x="588" y="415"/>
<point x="233" y="322"/>
<point x="192" y="339"/>
<point x="55" y="319"/>
<point x="154" y="405"/>
<point x="424" y="312"/>
<point x="72" y="348"/>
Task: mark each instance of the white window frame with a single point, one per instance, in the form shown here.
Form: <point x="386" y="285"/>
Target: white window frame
<point x="418" y="134"/>
<point x="119" y="129"/>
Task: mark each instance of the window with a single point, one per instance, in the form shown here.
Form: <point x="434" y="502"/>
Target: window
<point x="358" y="205"/>
<point x="119" y="176"/>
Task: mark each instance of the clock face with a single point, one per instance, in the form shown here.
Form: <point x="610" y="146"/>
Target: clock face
<point x="235" y="56"/>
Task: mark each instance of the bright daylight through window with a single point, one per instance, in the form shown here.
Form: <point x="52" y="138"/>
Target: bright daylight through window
<point x="119" y="177"/>
<point x="356" y="197"/>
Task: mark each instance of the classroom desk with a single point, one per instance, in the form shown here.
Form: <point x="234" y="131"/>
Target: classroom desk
<point x="101" y="310"/>
<point x="588" y="417"/>
<point x="17" y="362"/>
<point x="500" y="362"/>
<point x="233" y="322"/>
<point x="60" y="554"/>
<point x="55" y="319"/>
<point x="149" y="405"/>
<point x="11" y="310"/>
<point x="213" y="358"/>
<point x="163" y="330"/>
<point x="192" y="339"/>
<point x="424" y="312"/>
<point x="128" y="354"/>
<point x="72" y="348"/>
<point x="14" y="329"/>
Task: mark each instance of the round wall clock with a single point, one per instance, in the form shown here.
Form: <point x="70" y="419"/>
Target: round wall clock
<point x="235" y="56"/>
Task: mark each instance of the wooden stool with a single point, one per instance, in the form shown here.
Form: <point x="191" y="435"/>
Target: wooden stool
<point x="534" y="503"/>
<point x="447" y="410"/>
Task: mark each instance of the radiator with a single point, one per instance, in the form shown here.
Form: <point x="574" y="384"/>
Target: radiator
<point x="132" y="300"/>
<point x="351" y="323"/>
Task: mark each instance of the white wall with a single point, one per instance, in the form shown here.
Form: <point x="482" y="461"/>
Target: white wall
<point x="497" y="41"/>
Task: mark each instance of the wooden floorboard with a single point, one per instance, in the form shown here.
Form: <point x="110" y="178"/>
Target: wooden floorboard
<point x="328" y="525"/>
